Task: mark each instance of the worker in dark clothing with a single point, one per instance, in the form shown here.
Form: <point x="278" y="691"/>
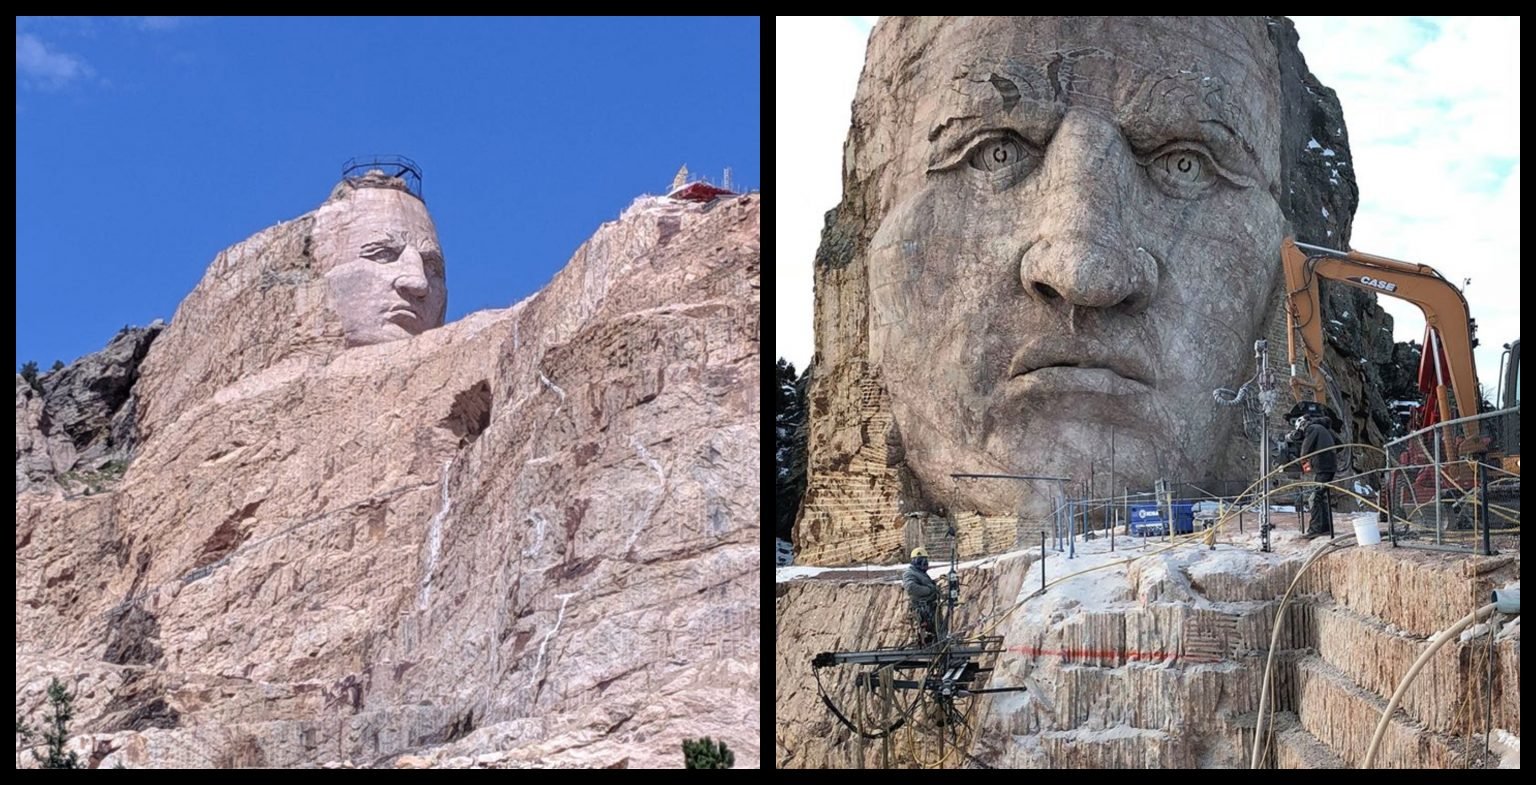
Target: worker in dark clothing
<point x="1317" y="436"/>
<point x="923" y="593"/>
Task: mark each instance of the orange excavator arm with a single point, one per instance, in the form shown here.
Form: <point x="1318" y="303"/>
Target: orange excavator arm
<point x="1445" y="310"/>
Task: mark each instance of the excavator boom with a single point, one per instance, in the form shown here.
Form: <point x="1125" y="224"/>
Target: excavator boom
<point x="1445" y="310"/>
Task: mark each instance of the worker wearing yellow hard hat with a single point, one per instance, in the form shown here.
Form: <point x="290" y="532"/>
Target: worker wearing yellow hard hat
<point x="923" y="593"/>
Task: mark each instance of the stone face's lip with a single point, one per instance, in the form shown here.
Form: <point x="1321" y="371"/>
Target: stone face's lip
<point x="1060" y="356"/>
<point x="401" y="310"/>
<point x="1062" y="379"/>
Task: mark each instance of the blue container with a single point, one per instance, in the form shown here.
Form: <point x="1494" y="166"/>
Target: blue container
<point x="1147" y="519"/>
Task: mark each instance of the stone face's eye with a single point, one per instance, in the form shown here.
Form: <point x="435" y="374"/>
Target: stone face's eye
<point x="997" y="153"/>
<point x="1183" y="171"/>
<point x="432" y="262"/>
<point x="1182" y="165"/>
<point x="381" y="253"/>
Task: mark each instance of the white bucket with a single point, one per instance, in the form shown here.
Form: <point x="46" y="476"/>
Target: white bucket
<point x="1366" y="532"/>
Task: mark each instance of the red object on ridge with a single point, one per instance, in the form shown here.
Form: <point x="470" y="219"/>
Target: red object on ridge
<point x="698" y="192"/>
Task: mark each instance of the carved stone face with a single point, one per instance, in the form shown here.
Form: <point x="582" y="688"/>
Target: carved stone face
<point x="1082" y="235"/>
<point x="379" y="253"/>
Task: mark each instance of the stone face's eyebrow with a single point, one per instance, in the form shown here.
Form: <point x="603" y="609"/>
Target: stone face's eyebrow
<point x="1189" y="106"/>
<point x="998" y="93"/>
<point x="399" y="239"/>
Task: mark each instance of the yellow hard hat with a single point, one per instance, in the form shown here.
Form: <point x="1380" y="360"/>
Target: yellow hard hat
<point x="916" y="552"/>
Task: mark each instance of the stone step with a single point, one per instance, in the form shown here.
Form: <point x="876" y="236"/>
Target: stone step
<point x="1375" y="657"/>
<point x="1418" y="592"/>
<point x="1117" y="747"/>
<point x="1295" y="748"/>
<point x="1343" y="716"/>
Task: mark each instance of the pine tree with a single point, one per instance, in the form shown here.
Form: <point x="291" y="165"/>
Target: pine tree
<point x="26" y="733"/>
<point x="58" y="365"/>
<point x="29" y="372"/>
<point x="791" y="434"/>
<point x="56" y="733"/>
<point x="706" y="754"/>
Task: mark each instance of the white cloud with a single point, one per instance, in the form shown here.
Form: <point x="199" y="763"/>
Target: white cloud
<point x="159" y="22"/>
<point x="817" y="68"/>
<point x="1433" y="108"/>
<point x="39" y="67"/>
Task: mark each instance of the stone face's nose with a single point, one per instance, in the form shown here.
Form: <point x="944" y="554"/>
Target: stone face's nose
<point x="1085" y="255"/>
<point x="412" y="281"/>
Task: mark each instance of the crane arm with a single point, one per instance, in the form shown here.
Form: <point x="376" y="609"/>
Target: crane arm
<point x="1445" y="310"/>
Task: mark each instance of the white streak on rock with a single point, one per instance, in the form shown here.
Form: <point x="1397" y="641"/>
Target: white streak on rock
<point x="551" y="385"/>
<point x="564" y="598"/>
<point x="661" y="489"/>
<point x="435" y="538"/>
<point x="539" y="522"/>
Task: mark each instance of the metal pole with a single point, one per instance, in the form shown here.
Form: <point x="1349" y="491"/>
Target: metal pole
<point x="1071" y="530"/>
<point x="1482" y="505"/>
<point x="1385" y="495"/>
<point x="1089" y="496"/>
<point x="1042" y="562"/>
<point x="885" y="717"/>
<point x="1437" y="488"/>
<point x="1056" y="523"/>
<point x="1263" y="350"/>
<point x="1264" y="486"/>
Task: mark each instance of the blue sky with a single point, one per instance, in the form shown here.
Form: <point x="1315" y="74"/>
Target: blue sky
<point x="1432" y="106"/>
<point x="146" y="145"/>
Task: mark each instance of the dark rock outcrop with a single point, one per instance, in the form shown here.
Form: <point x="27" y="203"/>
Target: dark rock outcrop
<point x="83" y="421"/>
<point x="1320" y="200"/>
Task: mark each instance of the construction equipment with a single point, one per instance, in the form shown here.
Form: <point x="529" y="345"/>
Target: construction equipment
<point x="1451" y="329"/>
<point x="938" y="683"/>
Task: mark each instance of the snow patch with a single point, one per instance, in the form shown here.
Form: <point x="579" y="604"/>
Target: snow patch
<point x="1313" y="145"/>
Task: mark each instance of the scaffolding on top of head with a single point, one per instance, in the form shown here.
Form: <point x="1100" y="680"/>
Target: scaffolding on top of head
<point x="357" y="171"/>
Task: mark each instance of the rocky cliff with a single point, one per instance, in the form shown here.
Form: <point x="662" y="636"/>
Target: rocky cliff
<point x="529" y="535"/>
<point x="80" y="431"/>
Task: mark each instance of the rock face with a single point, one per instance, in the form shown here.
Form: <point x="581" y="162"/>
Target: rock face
<point x="84" y="419"/>
<point x="1057" y="237"/>
<point x="532" y="524"/>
